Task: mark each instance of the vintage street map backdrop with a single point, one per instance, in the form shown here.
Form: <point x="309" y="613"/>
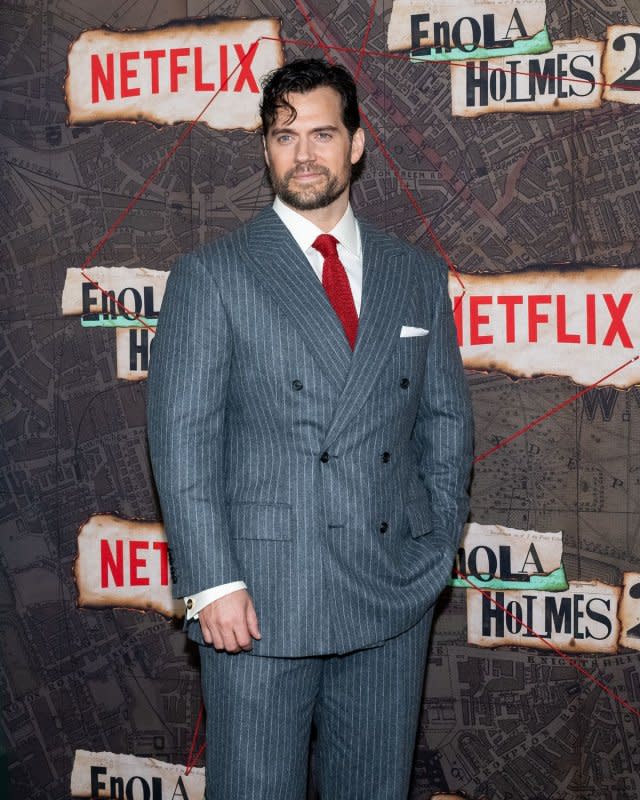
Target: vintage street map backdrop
<point x="505" y="131"/>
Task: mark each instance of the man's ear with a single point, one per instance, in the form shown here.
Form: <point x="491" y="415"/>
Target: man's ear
<point x="357" y="146"/>
<point x="264" y="149"/>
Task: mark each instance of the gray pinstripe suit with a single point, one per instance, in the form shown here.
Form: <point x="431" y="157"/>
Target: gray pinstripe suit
<point x="333" y="483"/>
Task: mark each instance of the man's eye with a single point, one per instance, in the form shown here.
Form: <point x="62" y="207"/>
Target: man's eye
<point x="283" y="138"/>
<point x="323" y="136"/>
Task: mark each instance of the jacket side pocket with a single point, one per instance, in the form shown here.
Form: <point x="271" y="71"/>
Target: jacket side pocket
<point x="271" y="521"/>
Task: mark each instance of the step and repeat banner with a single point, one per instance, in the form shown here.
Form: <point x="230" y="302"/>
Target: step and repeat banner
<point x="506" y="136"/>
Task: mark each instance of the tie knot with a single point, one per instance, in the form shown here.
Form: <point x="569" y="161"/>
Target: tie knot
<point x="326" y="245"/>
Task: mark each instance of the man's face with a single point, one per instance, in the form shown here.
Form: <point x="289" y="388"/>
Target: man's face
<point x="310" y="158"/>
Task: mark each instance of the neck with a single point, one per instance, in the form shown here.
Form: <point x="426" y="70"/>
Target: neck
<point x="328" y="217"/>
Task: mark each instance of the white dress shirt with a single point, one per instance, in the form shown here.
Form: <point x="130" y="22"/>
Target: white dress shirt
<point x="305" y="233"/>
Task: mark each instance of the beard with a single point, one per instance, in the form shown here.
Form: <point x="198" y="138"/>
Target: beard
<point x="311" y="197"/>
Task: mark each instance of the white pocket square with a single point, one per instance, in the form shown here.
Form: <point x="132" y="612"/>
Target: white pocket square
<point x="408" y="330"/>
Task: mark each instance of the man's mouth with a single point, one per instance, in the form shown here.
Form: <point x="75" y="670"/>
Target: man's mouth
<point x="308" y="175"/>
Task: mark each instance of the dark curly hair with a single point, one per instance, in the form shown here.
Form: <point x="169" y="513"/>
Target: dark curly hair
<point x="302" y="76"/>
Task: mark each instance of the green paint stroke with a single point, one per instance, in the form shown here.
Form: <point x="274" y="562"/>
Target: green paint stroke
<point x="555" y="581"/>
<point x="539" y="43"/>
<point x="106" y="321"/>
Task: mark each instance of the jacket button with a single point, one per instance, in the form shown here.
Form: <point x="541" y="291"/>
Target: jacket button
<point x="384" y="527"/>
<point x="189" y="604"/>
<point x="324" y="457"/>
<point x="386" y="458"/>
<point x="297" y="385"/>
<point x="404" y="383"/>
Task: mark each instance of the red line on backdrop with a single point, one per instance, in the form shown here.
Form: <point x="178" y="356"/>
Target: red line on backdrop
<point x="191" y="758"/>
<point x="365" y="39"/>
<point x="575" y="664"/>
<point x="552" y="411"/>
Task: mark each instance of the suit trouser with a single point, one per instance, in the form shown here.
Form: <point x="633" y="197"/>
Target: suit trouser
<point x="365" y="705"/>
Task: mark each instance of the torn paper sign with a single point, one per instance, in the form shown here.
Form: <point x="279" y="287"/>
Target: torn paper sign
<point x="107" y="293"/>
<point x="210" y="71"/>
<point x="578" y="323"/>
<point x="432" y="28"/>
<point x="568" y="78"/>
<point x="110" y="775"/>
<point x="124" y="563"/>
<point x="583" y="619"/>
<point x="490" y="552"/>
<point x="621" y="64"/>
<point x="630" y="611"/>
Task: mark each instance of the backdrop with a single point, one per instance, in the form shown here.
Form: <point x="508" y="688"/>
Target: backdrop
<point x="523" y="172"/>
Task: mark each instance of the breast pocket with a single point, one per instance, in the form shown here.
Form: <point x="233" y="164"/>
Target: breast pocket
<point x="414" y="343"/>
<point x="409" y="359"/>
<point x="258" y="520"/>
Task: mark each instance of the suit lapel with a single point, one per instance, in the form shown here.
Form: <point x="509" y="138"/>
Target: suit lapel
<point x="385" y="299"/>
<point x="285" y="271"/>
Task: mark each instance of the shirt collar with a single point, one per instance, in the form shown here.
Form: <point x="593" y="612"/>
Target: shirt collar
<point x="305" y="232"/>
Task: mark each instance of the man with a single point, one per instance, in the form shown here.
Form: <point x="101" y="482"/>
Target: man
<point x="309" y="428"/>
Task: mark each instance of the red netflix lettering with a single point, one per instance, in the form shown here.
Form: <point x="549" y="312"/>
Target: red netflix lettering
<point x="594" y="319"/>
<point x="200" y="85"/>
<point x="154" y="57"/>
<point x="535" y="318"/>
<point x="510" y="302"/>
<point x="563" y="336"/>
<point x="246" y="59"/>
<point x="133" y="73"/>
<point x="136" y="563"/>
<point x="126" y="73"/>
<point x="113" y="557"/>
<point x="617" y="326"/>
<point x="224" y="68"/>
<point x="163" y="547"/>
<point x="108" y="564"/>
<point x="476" y="319"/>
<point x="177" y="69"/>
<point x="101" y="79"/>
<point x="591" y="319"/>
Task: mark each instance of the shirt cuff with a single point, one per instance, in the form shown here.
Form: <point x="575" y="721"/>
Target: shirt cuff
<point x="196" y="602"/>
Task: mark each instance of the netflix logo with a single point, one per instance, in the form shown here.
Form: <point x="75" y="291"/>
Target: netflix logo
<point x="210" y="71"/>
<point x="131" y="563"/>
<point x="579" y="323"/>
<point x="174" y="69"/>
<point x="125" y="563"/>
<point x="522" y="318"/>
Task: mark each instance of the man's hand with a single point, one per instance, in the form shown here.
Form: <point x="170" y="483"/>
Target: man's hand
<point x="230" y="623"/>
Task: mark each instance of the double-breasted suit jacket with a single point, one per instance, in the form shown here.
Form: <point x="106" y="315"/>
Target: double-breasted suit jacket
<point x="332" y="482"/>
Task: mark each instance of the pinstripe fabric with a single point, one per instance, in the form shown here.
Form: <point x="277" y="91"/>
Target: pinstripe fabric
<point x="259" y="714"/>
<point x="367" y="718"/>
<point x="365" y="705"/>
<point x="252" y="380"/>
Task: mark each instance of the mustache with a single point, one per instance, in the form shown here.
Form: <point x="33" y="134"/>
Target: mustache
<point x="305" y="170"/>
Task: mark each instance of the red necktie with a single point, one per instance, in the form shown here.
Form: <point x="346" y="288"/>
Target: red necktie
<point x="336" y="285"/>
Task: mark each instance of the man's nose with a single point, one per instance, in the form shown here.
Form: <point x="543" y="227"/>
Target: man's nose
<point x="304" y="151"/>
